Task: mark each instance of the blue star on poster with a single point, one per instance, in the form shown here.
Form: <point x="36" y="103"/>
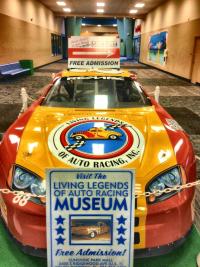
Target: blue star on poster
<point x="121" y="230"/>
<point x="60" y="240"/>
<point x="60" y="219"/>
<point x="121" y="240"/>
<point x="121" y="220"/>
<point x="60" y="230"/>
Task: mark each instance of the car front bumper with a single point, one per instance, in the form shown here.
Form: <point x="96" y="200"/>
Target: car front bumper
<point x="138" y="253"/>
<point x="166" y="226"/>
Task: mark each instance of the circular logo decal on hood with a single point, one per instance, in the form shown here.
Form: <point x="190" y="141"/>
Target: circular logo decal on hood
<point x="96" y="142"/>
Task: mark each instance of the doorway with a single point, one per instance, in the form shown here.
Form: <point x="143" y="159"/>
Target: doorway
<point x="136" y="48"/>
<point x="195" y="78"/>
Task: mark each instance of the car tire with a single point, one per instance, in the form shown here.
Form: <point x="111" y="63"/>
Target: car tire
<point x="92" y="234"/>
<point x="113" y="137"/>
<point x="79" y="137"/>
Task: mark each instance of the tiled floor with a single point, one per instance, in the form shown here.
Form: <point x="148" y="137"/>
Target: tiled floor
<point x="174" y="92"/>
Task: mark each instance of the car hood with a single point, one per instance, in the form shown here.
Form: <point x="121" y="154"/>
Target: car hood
<point x="45" y="133"/>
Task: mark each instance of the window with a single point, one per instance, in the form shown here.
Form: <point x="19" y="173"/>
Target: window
<point x="55" y="44"/>
<point x="89" y="92"/>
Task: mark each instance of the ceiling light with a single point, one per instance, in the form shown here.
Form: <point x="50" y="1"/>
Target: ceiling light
<point x="133" y="11"/>
<point x="61" y="3"/>
<point x="83" y="24"/>
<point x="114" y="25"/>
<point x="99" y="25"/>
<point x="140" y="5"/>
<point x="100" y="4"/>
<point x="67" y="9"/>
<point x="100" y="10"/>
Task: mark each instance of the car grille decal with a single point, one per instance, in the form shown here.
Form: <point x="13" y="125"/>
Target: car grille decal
<point x="136" y="238"/>
<point x="136" y="221"/>
<point x="136" y="202"/>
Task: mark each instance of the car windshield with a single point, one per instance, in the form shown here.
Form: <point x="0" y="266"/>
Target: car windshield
<point x="96" y="92"/>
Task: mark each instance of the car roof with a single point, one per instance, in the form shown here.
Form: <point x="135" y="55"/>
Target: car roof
<point x="97" y="73"/>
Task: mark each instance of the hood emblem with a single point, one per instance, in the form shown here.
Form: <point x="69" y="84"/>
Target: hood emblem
<point x="96" y="142"/>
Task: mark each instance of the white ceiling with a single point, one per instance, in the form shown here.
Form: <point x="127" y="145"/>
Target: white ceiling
<point x="118" y="8"/>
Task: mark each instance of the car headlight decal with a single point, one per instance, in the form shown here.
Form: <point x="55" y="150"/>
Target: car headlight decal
<point x="38" y="188"/>
<point x="29" y="182"/>
<point x="22" y="179"/>
<point x="167" y="179"/>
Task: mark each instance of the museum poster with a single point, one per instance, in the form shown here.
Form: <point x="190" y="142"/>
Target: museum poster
<point x="90" y="218"/>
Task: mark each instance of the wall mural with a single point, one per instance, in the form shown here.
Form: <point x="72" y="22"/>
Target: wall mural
<point x="157" y="48"/>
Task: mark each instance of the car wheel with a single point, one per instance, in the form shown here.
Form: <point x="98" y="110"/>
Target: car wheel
<point x="78" y="137"/>
<point x="92" y="234"/>
<point x="113" y="137"/>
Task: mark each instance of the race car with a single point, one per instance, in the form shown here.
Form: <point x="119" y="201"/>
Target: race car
<point x="96" y="133"/>
<point x="90" y="230"/>
<point x="150" y="141"/>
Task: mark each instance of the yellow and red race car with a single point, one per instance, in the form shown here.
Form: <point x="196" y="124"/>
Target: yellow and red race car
<point x="60" y="130"/>
<point x="96" y="133"/>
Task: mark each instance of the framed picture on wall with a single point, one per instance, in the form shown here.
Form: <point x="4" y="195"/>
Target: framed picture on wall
<point x="157" y="48"/>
